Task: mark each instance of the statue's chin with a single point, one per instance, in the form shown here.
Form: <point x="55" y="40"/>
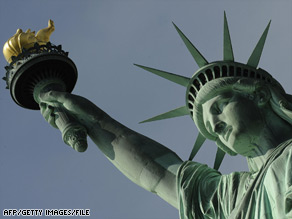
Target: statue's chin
<point x="240" y="143"/>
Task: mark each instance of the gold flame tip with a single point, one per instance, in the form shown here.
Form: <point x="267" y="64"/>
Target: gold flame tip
<point x="20" y="40"/>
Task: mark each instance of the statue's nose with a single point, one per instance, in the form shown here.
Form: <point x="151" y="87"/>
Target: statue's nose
<point x="217" y="125"/>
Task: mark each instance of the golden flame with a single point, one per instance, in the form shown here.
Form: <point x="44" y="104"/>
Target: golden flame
<point x="14" y="45"/>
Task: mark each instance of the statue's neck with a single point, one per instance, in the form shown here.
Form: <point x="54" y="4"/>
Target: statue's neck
<point x="275" y="132"/>
<point x="255" y="164"/>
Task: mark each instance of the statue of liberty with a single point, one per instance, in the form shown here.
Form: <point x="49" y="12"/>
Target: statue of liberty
<point x="239" y="106"/>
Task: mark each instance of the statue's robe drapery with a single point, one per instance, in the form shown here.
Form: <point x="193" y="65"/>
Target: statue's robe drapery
<point x="205" y="193"/>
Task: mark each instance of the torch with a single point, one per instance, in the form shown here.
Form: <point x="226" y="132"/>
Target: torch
<point x="36" y="66"/>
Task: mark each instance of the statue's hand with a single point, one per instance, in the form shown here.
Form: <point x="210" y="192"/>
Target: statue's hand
<point x="84" y="111"/>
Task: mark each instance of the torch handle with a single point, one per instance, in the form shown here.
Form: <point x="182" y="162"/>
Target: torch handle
<point x="73" y="133"/>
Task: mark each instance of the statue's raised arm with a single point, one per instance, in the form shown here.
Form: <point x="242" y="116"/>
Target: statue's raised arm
<point x="144" y="161"/>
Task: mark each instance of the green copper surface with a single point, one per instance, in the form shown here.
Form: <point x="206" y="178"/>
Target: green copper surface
<point x="219" y="158"/>
<point x="181" y="111"/>
<point x="257" y="52"/>
<point x="198" y="144"/>
<point x="184" y="81"/>
<point x="199" y="58"/>
<point x="227" y="46"/>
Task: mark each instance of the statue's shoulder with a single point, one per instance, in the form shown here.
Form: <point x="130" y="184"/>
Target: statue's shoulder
<point x="285" y="148"/>
<point x="282" y="156"/>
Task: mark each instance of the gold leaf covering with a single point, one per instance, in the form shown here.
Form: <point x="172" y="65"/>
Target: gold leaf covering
<point x="20" y="40"/>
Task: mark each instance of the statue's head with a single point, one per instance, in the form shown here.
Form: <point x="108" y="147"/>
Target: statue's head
<point x="231" y="111"/>
<point x="226" y="99"/>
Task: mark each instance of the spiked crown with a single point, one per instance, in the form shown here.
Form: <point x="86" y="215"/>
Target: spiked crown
<point x="210" y="72"/>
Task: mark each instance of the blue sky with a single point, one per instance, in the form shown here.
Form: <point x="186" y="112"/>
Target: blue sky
<point x="104" y="39"/>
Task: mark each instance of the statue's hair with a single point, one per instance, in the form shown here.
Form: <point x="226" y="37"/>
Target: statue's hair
<point x="280" y="102"/>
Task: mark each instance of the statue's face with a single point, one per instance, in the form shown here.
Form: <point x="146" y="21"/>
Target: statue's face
<point x="236" y="120"/>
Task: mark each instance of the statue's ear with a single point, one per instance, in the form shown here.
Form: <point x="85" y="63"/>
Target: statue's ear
<point x="263" y="95"/>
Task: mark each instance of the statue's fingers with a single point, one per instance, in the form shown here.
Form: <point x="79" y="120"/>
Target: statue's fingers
<point x="47" y="112"/>
<point x="53" y="96"/>
<point x="52" y="119"/>
<point x="43" y="107"/>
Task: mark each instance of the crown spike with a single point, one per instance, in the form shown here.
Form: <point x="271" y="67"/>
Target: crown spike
<point x="181" y="80"/>
<point x="198" y="144"/>
<point x="227" y="51"/>
<point x="181" y="111"/>
<point x="199" y="58"/>
<point x="257" y="52"/>
<point x="219" y="158"/>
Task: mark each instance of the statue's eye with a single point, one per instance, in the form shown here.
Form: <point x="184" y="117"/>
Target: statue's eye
<point x="216" y="109"/>
<point x="219" y="107"/>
